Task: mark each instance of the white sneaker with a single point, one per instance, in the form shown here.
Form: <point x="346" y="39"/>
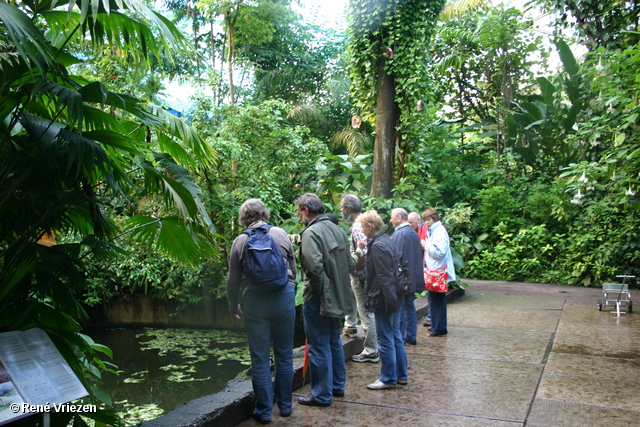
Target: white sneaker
<point x="351" y="332"/>
<point x="379" y="385"/>
<point x="372" y="358"/>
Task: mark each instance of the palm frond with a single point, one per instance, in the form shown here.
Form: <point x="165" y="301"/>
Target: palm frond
<point x="459" y="8"/>
<point x="142" y="229"/>
<point x="168" y="234"/>
<point x="114" y="24"/>
<point x="306" y="114"/>
<point x="65" y="100"/>
<point x="183" y="177"/>
<point x="178" y="241"/>
<point x="86" y="157"/>
<point x="14" y="273"/>
<point x="8" y="106"/>
<point x="353" y="140"/>
<point x="175" y="128"/>
<point x="9" y="58"/>
<point x="42" y="131"/>
<point x="26" y="37"/>
<point x="115" y="140"/>
<point x="102" y="249"/>
<point x="96" y="119"/>
<point x="176" y="194"/>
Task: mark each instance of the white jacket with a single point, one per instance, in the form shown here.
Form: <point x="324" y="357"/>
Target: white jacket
<point x="437" y="254"/>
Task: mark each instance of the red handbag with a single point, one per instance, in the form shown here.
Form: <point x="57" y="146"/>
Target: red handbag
<point x="436" y="280"/>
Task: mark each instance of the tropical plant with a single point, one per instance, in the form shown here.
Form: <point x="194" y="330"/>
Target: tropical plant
<point x="540" y="125"/>
<point x="483" y="60"/>
<point x="604" y="190"/>
<point x="263" y="154"/>
<point x="342" y="174"/>
<point x="530" y="254"/>
<point x="70" y="145"/>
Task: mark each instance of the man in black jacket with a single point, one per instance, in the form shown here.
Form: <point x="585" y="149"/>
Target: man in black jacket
<point x="381" y="298"/>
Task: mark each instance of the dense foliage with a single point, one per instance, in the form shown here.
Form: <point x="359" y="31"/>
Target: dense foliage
<point x="535" y="170"/>
<point x="69" y="146"/>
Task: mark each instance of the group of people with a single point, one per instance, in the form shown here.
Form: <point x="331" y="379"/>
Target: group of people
<point x="345" y="277"/>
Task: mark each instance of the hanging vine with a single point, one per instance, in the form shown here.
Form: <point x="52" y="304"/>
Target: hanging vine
<point x="396" y="32"/>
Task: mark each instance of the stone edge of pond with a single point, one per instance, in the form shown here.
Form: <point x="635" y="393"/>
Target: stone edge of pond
<point x="234" y="404"/>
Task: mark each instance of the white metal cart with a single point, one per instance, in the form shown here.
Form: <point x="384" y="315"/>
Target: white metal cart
<point x="617" y="294"/>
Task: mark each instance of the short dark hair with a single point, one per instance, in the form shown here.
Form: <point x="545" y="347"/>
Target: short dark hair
<point x="311" y="202"/>
<point x="253" y="210"/>
<point x="352" y="202"/>
<point x="332" y="218"/>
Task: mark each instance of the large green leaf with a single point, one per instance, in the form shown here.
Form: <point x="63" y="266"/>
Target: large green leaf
<point x="567" y="58"/>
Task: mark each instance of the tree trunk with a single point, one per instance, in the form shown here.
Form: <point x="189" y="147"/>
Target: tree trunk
<point x="386" y="117"/>
<point x="231" y="40"/>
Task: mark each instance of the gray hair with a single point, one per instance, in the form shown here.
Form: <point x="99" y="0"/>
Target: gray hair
<point x="312" y="202"/>
<point x="352" y="203"/>
<point x="253" y="210"/>
<point x="400" y="211"/>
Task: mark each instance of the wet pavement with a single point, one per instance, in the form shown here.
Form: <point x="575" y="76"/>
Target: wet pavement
<point x="516" y="354"/>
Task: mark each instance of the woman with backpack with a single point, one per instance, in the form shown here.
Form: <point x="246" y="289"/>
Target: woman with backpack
<point x="262" y="269"/>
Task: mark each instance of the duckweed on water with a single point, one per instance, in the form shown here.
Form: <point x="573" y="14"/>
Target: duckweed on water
<point x="181" y="377"/>
<point x="192" y="345"/>
<point x="136" y="377"/>
<point x="137" y="413"/>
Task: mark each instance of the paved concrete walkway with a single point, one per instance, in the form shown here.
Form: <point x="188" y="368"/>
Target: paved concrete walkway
<point x="516" y="354"/>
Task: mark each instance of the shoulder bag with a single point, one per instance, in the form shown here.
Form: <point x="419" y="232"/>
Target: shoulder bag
<point x="436" y="280"/>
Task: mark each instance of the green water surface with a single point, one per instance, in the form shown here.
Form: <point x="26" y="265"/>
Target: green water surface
<point x="163" y="368"/>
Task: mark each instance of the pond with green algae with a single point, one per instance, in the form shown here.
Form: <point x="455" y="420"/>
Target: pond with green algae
<point x="163" y="368"/>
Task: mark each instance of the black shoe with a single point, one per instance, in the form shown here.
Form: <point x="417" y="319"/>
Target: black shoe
<point x="311" y="401"/>
<point x="438" y="335"/>
<point x="260" y="420"/>
<point x="412" y="342"/>
<point x="285" y="414"/>
<point x="338" y="393"/>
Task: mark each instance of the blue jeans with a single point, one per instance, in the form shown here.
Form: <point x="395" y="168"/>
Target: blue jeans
<point x="393" y="356"/>
<point x="270" y="317"/>
<point x="326" y="356"/>
<point x="408" y="319"/>
<point x="438" y="306"/>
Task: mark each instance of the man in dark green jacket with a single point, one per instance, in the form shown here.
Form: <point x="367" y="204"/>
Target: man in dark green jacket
<point x="327" y="297"/>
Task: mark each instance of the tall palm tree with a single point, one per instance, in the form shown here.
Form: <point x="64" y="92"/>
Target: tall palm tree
<point x="67" y="145"/>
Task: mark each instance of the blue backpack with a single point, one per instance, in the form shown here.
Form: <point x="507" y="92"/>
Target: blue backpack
<point x="264" y="265"/>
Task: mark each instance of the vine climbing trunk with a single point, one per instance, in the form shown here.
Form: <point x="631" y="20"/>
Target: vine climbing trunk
<point x="387" y="113"/>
